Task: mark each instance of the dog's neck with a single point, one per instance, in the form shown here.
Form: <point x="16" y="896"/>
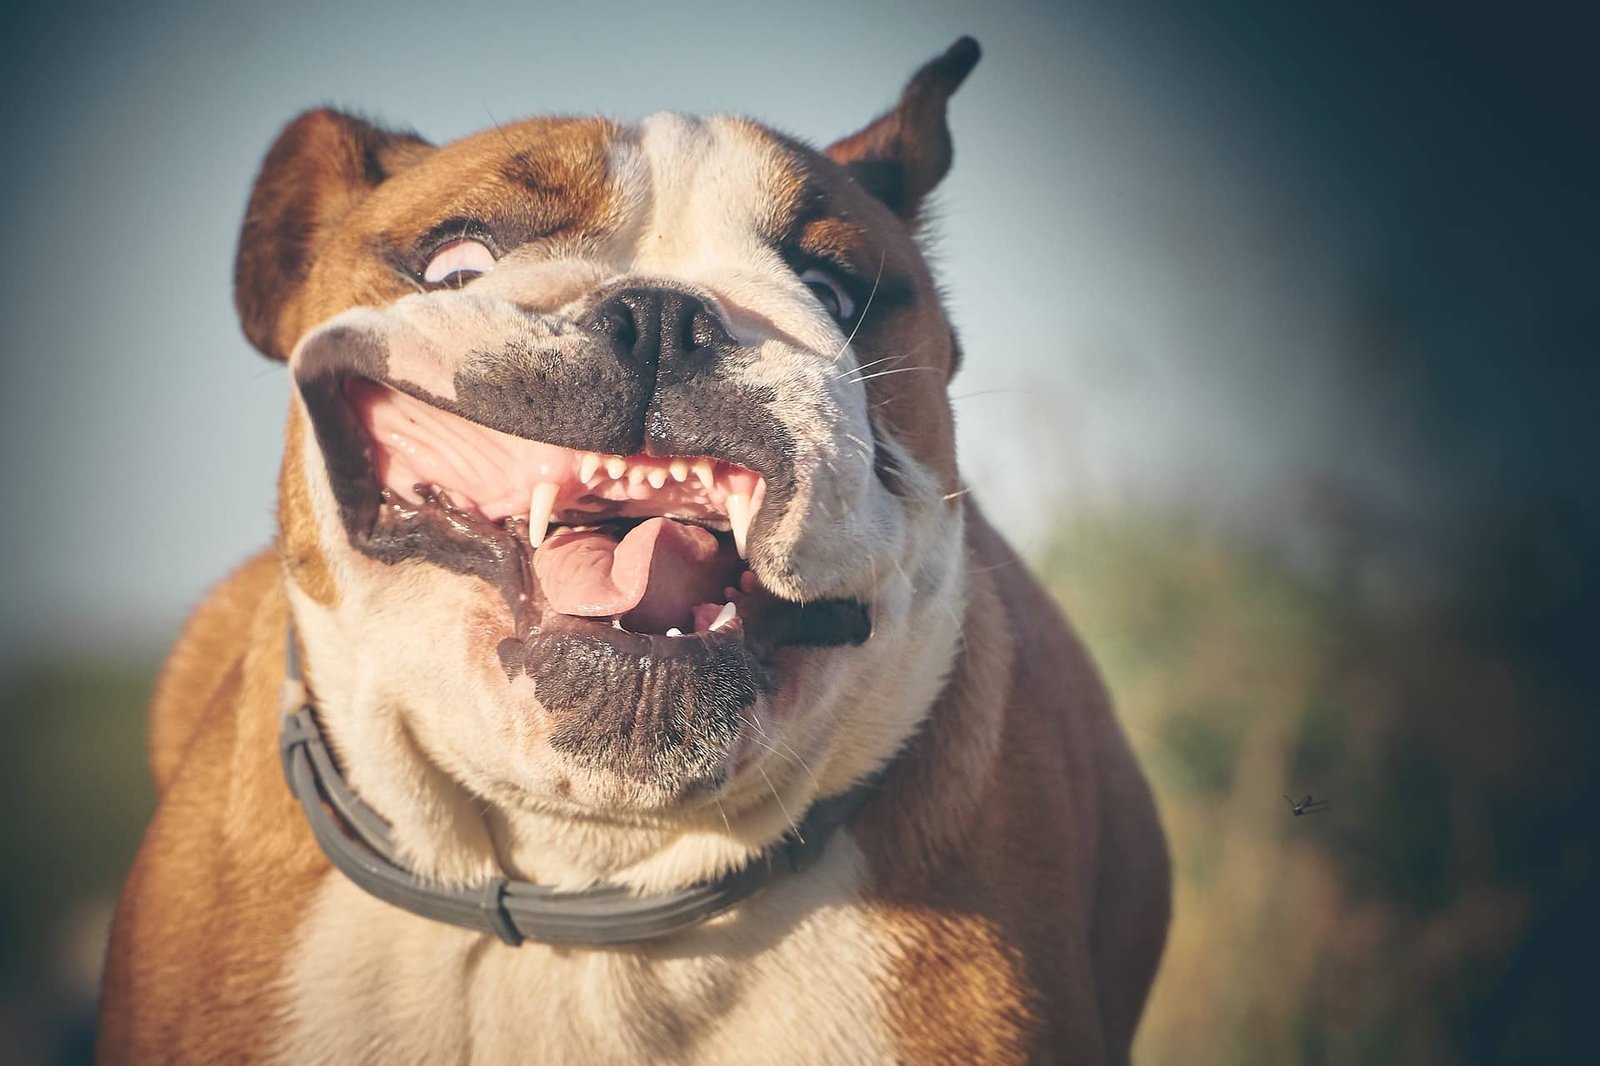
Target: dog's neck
<point x="461" y="833"/>
<point x="447" y="833"/>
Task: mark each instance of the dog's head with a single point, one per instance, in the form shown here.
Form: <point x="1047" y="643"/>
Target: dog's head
<point x="620" y="471"/>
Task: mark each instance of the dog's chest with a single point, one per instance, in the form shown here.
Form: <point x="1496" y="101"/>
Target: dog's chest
<point x="798" y="975"/>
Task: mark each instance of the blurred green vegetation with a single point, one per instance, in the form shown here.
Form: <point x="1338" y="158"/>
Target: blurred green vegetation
<point x="76" y="795"/>
<point x="1437" y="913"/>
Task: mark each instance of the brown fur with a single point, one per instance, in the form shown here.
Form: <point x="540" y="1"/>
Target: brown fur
<point x="315" y="173"/>
<point x="303" y="557"/>
<point x="902" y="155"/>
<point x="1019" y="784"/>
<point x="228" y="861"/>
<point x="971" y="837"/>
<point x="1016" y="865"/>
<point x="551" y="170"/>
<point x="906" y="389"/>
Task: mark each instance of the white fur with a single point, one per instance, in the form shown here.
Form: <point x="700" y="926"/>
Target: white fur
<point x="434" y="737"/>
<point x="372" y="984"/>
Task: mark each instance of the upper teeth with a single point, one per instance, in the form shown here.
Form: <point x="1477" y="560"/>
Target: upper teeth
<point x="539" y="508"/>
<point x="739" y="518"/>
<point x="503" y="477"/>
<point x="620" y="479"/>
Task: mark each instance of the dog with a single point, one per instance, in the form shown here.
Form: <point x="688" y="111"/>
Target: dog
<point x="651" y="688"/>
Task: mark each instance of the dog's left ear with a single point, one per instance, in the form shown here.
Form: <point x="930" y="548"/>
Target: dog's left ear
<point x="902" y="155"/>
<point x="320" y="167"/>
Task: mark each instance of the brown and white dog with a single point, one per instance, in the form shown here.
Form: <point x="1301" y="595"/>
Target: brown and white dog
<point x="608" y="446"/>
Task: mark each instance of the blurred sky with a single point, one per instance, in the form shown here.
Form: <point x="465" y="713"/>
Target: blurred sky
<point x="1206" y="257"/>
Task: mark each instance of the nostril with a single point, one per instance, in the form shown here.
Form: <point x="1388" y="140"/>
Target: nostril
<point x="706" y="330"/>
<point x="615" y="320"/>
<point x="654" y="329"/>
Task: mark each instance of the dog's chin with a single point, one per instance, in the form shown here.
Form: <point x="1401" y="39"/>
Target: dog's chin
<point x="648" y="636"/>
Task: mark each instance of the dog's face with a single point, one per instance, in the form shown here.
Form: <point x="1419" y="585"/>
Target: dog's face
<point x="620" y="472"/>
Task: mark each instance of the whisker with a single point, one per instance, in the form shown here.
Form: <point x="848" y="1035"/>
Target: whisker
<point x="793" y="825"/>
<point x="907" y="354"/>
<point x="867" y="366"/>
<point x="886" y="373"/>
<point x="866" y="445"/>
<point x="803" y="765"/>
<point x="865" y="308"/>
<point x="989" y="392"/>
<point x="792" y="756"/>
<point x="997" y="566"/>
<point x="753" y="723"/>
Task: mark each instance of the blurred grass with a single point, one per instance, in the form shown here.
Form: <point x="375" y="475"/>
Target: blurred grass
<point x="1412" y="922"/>
<point x="76" y="795"/>
<point x="1438" y="913"/>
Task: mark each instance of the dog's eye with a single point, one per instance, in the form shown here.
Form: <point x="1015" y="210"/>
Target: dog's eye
<point x="830" y="293"/>
<point x="458" y="262"/>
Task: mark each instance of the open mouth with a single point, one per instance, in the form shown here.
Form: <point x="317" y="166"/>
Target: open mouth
<point x="624" y="520"/>
<point x="648" y="546"/>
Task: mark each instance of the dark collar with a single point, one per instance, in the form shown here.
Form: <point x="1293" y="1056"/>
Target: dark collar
<point x="356" y="839"/>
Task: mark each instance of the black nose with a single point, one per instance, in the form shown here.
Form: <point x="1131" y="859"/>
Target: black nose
<point x="660" y="333"/>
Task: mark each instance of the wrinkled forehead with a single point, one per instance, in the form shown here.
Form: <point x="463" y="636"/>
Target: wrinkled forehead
<point x="658" y="195"/>
<point x="720" y="175"/>
<point x="677" y="181"/>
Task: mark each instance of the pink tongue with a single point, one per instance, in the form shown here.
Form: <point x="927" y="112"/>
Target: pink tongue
<point x="651" y="579"/>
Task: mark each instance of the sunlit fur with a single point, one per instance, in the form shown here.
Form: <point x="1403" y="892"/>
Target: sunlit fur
<point x="1001" y="898"/>
<point x="404" y="665"/>
<point x="435" y="737"/>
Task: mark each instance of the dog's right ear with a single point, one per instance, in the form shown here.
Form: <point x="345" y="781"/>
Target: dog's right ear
<point x="904" y="153"/>
<point x="320" y="167"/>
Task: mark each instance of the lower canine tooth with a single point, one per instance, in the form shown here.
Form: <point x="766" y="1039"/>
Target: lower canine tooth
<point x="723" y="617"/>
<point x="674" y="632"/>
<point x="739" y="518"/>
<point x="542" y="501"/>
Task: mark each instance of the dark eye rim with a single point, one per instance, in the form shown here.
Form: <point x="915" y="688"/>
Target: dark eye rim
<point x="828" y="297"/>
<point x="873" y="293"/>
<point x="456" y="279"/>
<point x="445" y="233"/>
<point x="852" y="286"/>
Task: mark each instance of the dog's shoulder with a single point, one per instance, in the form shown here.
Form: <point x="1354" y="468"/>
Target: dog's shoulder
<point x="203" y="670"/>
<point x="1069" y="816"/>
<point x="225" y="867"/>
<point x="1054" y="809"/>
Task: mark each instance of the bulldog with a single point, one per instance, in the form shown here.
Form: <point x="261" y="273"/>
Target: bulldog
<point x="656" y="692"/>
